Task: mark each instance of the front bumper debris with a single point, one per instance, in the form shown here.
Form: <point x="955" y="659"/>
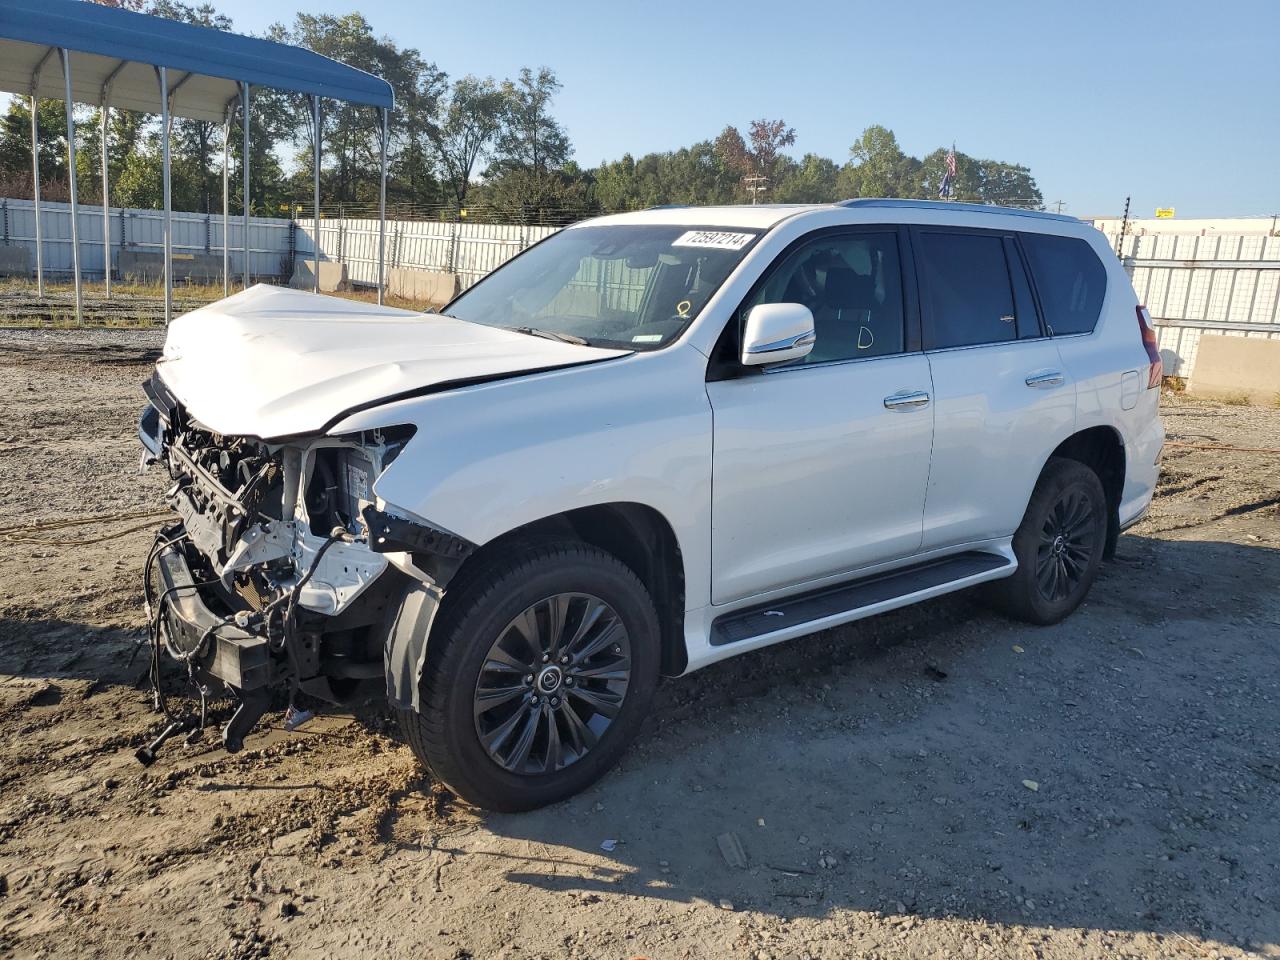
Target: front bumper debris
<point x="222" y="651"/>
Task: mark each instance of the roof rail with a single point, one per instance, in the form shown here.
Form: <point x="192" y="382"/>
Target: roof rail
<point x="901" y="203"/>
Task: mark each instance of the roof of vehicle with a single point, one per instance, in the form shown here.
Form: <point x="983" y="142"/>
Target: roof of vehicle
<point x="760" y="216"/>
<point x="765" y="215"/>
<point x="906" y="204"/>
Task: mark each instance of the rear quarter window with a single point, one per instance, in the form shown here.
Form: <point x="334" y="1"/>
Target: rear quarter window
<point x="1070" y="279"/>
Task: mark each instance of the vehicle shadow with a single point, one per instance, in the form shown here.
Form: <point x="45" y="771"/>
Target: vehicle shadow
<point x="1116" y="771"/>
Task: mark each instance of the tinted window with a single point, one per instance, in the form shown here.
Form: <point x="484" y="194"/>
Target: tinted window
<point x="1069" y="279"/>
<point x="967" y="294"/>
<point x="1028" y="323"/>
<point x="853" y="286"/>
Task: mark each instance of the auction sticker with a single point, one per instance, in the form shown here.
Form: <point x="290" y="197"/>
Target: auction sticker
<point x="714" y="238"/>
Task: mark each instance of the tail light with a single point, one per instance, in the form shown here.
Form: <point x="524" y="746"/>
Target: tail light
<point x="1153" y="348"/>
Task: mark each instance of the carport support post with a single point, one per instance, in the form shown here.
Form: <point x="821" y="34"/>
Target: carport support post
<point x="244" y="167"/>
<point x="226" y="204"/>
<point x="35" y="184"/>
<point x="71" y="179"/>
<point x="106" y="205"/>
<point x="382" y="213"/>
<point x="163" y="76"/>
<point x="316" y="118"/>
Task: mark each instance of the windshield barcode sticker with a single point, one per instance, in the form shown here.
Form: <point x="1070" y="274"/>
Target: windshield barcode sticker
<point x="714" y="238"/>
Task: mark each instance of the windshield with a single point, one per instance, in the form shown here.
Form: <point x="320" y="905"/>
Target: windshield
<point x="628" y="286"/>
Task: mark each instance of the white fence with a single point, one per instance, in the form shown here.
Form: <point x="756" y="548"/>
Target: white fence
<point x="468" y="249"/>
<point x="141" y="230"/>
<point x="1193" y="284"/>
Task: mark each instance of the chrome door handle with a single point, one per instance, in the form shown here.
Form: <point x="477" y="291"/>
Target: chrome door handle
<point x="1050" y="378"/>
<point x="906" y="400"/>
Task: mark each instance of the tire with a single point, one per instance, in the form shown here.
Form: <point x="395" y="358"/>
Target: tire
<point x="471" y="658"/>
<point x="1059" y="545"/>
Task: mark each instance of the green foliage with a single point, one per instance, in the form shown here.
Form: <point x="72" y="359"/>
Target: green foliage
<point x="814" y="179"/>
<point x="530" y="138"/>
<point x="470" y="119"/>
<point x="877" y="167"/>
<point x="493" y="148"/>
<point x="15" y="148"/>
<point x="695" y="174"/>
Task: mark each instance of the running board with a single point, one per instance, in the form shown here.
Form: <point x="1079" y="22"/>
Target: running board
<point x="831" y="606"/>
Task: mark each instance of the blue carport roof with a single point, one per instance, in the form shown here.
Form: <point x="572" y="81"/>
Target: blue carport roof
<point x="205" y="65"/>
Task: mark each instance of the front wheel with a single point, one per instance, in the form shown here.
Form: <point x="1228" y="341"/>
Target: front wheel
<point x="538" y="676"/>
<point x="1059" y="545"/>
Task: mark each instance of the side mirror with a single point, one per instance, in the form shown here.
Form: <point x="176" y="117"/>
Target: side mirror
<point x="777" y="332"/>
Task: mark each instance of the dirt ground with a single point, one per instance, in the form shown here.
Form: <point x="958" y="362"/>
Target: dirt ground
<point x="937" y="782"/>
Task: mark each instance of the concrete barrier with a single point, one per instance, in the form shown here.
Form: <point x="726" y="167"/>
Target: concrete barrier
<point x="433" y="287"/>
<point x="1237" y="368"/>
<point x="147" y="267"/>
<point x="333" y="276"/>
<point x="15" y="262"/>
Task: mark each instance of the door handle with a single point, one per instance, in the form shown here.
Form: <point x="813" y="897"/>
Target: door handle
<point x="1048" y="378"/>
<point x="906" y="400"/>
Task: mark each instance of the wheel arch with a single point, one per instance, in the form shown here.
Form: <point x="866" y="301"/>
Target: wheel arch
<point x="636" y="533"/>
<point x="1101" y="449"/>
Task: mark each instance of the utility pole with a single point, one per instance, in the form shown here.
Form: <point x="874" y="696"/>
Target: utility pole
<point x="756" y="185"/>
<point x="1124" y="228"/>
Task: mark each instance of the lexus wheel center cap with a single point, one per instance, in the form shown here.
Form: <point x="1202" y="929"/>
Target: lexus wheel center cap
<point x="549" y="679"/>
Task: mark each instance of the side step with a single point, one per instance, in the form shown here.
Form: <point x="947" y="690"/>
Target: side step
<point x="844" y="601"/>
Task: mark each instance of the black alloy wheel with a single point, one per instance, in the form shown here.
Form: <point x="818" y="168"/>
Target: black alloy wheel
<point x="552" y="683"/>
<point x="1066" y="545"/>
<point x="1059" y="545"/>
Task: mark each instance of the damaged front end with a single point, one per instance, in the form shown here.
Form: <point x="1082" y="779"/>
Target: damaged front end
<point x="283" y="569"/>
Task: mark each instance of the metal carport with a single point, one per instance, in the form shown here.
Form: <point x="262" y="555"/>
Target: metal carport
<point x="111" y="57"/>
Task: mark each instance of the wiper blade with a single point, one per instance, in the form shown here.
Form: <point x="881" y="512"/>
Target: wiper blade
<point x="551" y="335"/>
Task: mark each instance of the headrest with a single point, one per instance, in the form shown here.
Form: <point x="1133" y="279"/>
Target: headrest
<point x="848" y="288"/>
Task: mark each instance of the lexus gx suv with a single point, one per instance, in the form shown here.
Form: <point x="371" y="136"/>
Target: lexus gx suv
<point x="647" y="443"/>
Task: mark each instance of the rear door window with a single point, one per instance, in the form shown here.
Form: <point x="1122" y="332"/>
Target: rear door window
<point x="1070" y="279"/>
<point x="966" y="290"/>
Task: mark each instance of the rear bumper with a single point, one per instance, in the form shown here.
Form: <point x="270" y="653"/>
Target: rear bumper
<point x="1142" y="471"/>
<point x="232" y="655"/>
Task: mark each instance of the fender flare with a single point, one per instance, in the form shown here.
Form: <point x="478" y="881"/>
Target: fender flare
<point x="404" y="645"/>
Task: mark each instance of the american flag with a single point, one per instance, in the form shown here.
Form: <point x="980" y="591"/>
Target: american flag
<point x="950" y="176"/>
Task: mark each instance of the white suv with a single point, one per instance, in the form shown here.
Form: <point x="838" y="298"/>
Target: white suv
<point x="649" y="442"/>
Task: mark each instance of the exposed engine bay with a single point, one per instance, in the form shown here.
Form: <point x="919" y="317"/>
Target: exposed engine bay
<point x="279" y="573"/>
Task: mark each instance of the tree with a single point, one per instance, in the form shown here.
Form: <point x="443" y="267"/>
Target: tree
<point x="15" y="149"/>
<point x="351" y="134"/>
<point x="470" y="121"/>
<point x="879" y="168"/>
<point x="125" y="132"/>
<point x="759" y="156"/>
<point x="980" y="181"/>
<point x="814" y="179"/>
<point x="528" y="195"/>
<point x="695" y="174"/>
<point x="194" y="140"/>
<point x="530" y="138"/>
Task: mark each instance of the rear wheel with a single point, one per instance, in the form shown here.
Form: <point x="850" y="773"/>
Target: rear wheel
<point x="1059" y="545"/>
<point x="538" y="675"/>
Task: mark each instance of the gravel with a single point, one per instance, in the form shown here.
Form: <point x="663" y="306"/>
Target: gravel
<point x="877" y="776"/>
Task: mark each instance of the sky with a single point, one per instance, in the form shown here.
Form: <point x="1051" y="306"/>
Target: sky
<point x="1174" y="103"/>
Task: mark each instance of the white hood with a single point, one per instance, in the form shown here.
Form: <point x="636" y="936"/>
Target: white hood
<point x="273" y="362"/>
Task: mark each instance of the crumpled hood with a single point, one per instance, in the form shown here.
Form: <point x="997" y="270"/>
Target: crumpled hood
<point x="272" y="362"/>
